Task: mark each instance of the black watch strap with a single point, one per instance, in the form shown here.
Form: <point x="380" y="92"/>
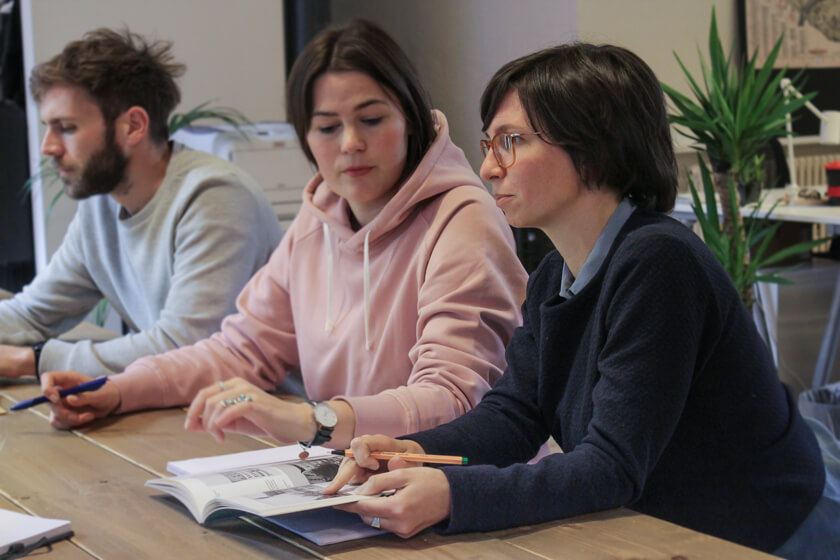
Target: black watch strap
<point x="323" y="433"/>
<point x="37" y="348"/>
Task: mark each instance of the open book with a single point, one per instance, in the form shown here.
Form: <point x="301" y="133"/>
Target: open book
<point x="321" y="526"/>
<point x="263" y="490"/>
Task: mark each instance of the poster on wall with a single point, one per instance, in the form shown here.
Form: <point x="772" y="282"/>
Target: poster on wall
<point x="811" y="29"/>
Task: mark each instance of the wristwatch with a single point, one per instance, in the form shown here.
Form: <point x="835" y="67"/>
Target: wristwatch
<point x="325" y="421"/>
<point x="36" y="349"/>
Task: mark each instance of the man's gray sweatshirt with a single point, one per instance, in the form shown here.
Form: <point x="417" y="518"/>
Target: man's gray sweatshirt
<point x="171" y="271"/>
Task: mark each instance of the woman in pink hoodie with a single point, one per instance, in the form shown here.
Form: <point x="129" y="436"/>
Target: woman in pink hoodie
<point x="394" y="292"/>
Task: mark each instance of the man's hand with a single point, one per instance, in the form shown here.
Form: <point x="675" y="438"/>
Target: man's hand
<point x="75" y="410"/>
<point x="16" y="361"/>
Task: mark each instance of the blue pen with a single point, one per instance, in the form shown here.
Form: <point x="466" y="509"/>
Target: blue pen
<point x="89" y="386"/>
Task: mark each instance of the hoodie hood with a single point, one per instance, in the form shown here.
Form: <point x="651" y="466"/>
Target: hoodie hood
<point x="443" y="168"/>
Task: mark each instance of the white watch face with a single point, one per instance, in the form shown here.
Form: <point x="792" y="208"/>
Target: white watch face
<point x="325" y="415"/>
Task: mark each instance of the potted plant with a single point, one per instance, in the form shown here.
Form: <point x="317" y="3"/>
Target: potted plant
<point x="738" y="108"/>
<point x="743" y="252"/>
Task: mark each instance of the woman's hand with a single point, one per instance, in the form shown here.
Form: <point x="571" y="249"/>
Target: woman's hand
<point x="422" y="498"/>
<point x="237" y="405"/>
<point x="75" y="410"/>
<point x="358" y="469"/>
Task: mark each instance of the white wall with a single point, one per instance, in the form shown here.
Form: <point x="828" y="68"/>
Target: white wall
<point x="656" y="29"/>
<point x="234" y="52"/>
<point x="457" y="45"/>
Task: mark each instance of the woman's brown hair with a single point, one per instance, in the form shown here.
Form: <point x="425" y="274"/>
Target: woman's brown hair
<point x="605" y="107"/>
<point x="360" y="46"/>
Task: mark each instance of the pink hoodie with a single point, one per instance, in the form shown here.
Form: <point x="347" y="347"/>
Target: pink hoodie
<point x="406" y="319"/>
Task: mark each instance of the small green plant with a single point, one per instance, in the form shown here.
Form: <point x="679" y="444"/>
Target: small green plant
<point x="48" y="175"/>
<point x="744" y="252"/>
<point x="738" y="109"/>
<point x="204" y="112"/>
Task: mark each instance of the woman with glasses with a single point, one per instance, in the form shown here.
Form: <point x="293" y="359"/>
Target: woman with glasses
<point x="394" y="292"/>
<point x="636" y="353"/>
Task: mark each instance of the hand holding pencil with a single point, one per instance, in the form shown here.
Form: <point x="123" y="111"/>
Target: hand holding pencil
<point x="365" y="451"/>
<point x="416" y="497"/>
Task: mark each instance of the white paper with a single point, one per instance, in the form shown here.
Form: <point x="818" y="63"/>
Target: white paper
<point x="219" y="463"/>
<point x="27" y="529"/>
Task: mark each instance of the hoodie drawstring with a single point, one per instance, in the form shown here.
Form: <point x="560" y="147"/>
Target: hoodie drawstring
<point x="328" y="324"/>
<point x="366" y="271"/>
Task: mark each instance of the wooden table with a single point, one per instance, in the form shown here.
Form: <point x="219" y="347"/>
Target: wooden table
<point x="94" y="477"/>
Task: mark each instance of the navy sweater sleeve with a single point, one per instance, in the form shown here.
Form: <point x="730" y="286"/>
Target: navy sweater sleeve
<point x="513" y="429"/>
<point x="657" y="295"/>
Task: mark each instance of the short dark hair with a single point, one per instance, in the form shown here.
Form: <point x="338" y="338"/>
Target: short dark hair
<point x="605" y="107"/>
<point x="119" y="70"/>
<point x="360" y="46"/>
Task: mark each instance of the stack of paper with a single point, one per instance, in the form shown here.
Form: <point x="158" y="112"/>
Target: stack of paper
<point x="20" y="533"/>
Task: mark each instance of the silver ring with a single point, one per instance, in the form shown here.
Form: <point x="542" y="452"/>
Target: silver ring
<point x="221" y="385"/>
<point x="236" y="400"/>
<point x="376" y="523"/>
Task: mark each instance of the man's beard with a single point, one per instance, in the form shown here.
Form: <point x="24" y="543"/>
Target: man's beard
<point x="103" y="172"/>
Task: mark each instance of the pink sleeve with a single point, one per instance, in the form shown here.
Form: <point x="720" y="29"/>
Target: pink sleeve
<point x="257" y="343"/>
<point x="469" y="304"/>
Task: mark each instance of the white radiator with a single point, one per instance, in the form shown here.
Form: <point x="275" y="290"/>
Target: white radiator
<point x="810" y="170"/>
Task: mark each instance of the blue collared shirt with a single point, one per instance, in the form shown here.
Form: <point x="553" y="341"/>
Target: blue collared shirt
<point x="569" y="285"/>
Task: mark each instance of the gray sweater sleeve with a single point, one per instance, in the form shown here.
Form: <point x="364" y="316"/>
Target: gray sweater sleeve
<point x="57" y="300"/>
<point x="223" y="236"/>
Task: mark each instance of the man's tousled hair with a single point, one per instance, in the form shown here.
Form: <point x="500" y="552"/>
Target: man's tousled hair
<point x="119" y="70"/>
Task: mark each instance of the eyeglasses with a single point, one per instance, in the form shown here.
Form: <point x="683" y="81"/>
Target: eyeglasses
<point x="504" y="146"/>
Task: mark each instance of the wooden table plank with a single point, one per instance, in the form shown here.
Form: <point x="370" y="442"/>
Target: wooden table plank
<point x="151" y="438"/>
<point x="426" y="545"/>
<point x="615" y="535"/>
<point x="155" y="437"/>
<point x="58" y="474"/>
<point x="622" y="533"/>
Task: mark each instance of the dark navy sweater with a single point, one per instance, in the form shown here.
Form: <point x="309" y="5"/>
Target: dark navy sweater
<point x="655" y="383"/>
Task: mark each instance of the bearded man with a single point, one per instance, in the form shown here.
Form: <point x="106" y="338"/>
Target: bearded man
<point x="166" y="235"/>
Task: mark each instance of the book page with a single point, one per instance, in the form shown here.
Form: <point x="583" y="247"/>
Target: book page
<point x="287" y="500"/>
<point x="263" y="479"/>
<point x="232" y="461"/>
